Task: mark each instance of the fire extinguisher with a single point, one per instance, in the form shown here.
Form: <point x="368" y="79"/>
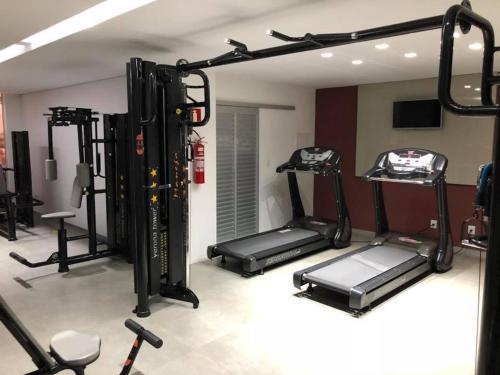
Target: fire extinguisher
<point x="199" y="162"/>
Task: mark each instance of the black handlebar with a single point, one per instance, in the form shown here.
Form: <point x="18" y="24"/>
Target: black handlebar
<point x="143" y="333"/>
<point x="206" y="99"/>
<point x="463" y="15"/>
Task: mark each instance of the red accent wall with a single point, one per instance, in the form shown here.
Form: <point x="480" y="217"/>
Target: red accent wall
<point x="409" y="208"/>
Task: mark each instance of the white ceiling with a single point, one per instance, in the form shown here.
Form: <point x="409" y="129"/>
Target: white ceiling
<point x="167" y="30"/>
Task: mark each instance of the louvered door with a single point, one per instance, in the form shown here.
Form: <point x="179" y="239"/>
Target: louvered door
<point x="237" y="172"/>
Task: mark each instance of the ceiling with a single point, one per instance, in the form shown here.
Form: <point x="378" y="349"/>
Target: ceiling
<point x="167" y="30"/>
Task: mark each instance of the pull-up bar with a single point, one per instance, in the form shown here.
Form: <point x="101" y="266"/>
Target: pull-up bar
<point x="311" y="42"/>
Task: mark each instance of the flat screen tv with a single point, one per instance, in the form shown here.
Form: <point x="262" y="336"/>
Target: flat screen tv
<point x="417" y="114"/>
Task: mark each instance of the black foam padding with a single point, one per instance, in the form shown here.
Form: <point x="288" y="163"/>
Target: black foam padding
<point x="83" y="174"/>
<point x="51" y="169"/>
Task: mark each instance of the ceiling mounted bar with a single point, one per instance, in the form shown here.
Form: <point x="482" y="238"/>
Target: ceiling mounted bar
<point x="311" y="42"/>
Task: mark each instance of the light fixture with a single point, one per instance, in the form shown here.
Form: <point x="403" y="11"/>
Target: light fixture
<point x="381" y="46"/>
<point x="90" y="17"/>
<point x="357" y="62"/>
<point x="477" y="89"/>
<point x="12" y="51"/>
<point x="410" y="55"/>
<point x="467" y="86"/>
<point x="475" y="46"/>
<point x="326" y="55"/>
<point x="456" y="35"/>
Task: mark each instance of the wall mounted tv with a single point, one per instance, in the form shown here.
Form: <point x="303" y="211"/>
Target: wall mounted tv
<point x="417" y="114"/>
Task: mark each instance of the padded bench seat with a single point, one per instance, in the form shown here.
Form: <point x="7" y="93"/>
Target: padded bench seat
<point x="75" y="349"/>
<point x="59" y="215"/>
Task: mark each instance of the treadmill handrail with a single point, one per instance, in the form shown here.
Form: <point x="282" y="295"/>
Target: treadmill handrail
<point x="294" y="170"/>
<point x="402" y="181"/>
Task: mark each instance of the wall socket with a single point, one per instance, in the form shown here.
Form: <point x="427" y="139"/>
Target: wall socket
<point x="434" y="224"/>
<point x="471" y="229"/>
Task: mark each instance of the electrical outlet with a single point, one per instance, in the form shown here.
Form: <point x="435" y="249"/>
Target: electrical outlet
<point x="434" y="224"/>
<point x="471" y="229"/>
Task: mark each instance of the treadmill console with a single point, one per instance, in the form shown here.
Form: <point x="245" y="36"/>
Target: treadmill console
<point x="318" y="160"/>
<point x="408" y="165"/>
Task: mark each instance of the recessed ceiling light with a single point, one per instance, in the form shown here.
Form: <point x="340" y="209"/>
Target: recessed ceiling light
<point x="456" y="35"/>
<point x="475" y="46"/>
<point x="326" y="55"/>
<point x="357" y="62"/>
<point x="467" y="86"/>
<point x="90" y="17"/>
<point x="410" y="55"/>
<point x="477" y="89"/>
<point x="382" y="46"/>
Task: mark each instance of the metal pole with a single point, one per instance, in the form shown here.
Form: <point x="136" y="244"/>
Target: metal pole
<point x="489" y="341"/>
<point x="322" y="41"/>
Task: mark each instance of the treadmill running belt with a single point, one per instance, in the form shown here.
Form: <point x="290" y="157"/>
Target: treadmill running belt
<point x="270" y="240"/>
<point x="360" y="267"/>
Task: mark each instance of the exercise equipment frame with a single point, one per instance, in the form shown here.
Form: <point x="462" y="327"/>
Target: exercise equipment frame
<point x="463" y="16"/>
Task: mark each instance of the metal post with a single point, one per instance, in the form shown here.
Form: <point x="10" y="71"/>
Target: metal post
<point x="489" y="341"/>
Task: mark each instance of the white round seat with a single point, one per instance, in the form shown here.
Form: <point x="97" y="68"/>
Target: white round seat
<point x="75" y="349"/>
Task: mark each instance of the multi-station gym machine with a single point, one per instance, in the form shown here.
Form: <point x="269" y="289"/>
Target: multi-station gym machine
<point x="89" y="168"/>
<point x="161" y="117"/>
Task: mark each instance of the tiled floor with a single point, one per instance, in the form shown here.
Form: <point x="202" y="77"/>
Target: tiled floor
<point x="244" y="326"/>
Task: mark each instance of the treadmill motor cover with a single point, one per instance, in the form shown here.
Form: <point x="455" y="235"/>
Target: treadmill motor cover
<point x="349" y="272"/>
<point x="273" y="239"/>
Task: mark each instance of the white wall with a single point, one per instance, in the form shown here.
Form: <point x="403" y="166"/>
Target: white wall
<point x="280" y="133"/>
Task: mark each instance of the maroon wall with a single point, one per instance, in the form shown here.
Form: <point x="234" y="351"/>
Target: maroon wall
<point x="409" y="208"/>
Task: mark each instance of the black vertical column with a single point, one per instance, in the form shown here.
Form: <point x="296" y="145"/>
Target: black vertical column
<point x="381" y="224"/>
<point x="137" y="210"/>
<point x="109" y="128"/>
<point x="444" y="254"/>
<point x="343" y="235"/>
<point x="89" y="191"/>
<point x="489" y="341"/>
<point x="296" y="200"/>
<point x="176" y="163"/>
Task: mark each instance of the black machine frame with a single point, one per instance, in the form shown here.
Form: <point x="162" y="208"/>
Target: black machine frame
<point x="116" y="172"/>
<point x="463" y="16"/>
<point x="18" y="205"/>
<point x="160" y="121"/>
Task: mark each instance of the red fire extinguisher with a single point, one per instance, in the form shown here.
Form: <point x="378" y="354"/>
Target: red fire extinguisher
<point x="199" y="162"/>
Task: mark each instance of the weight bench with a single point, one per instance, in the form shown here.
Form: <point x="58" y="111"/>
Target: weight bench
<point x="60" y="257"/>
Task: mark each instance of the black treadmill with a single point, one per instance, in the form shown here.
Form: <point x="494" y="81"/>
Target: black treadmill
<point x="392" y="260"/>
<point x="303" y="234"/>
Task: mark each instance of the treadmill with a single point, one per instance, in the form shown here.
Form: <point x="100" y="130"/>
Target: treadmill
<point x="303" y="234"/>
<point x="392" y="260"/>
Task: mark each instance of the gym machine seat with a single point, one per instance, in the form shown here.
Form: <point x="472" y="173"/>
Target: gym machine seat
<point x="74" y="349"/>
